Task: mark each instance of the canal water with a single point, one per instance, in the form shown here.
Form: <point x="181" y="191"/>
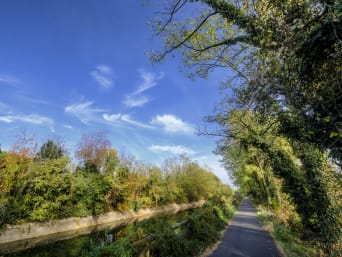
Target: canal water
<point x="75" y="247"/>
<point x="88" y="245"/>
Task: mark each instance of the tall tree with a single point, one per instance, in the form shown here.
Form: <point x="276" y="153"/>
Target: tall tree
<point x="287" y="58"/>
<point x="93" y="150"/>
<point x="50" y="150"/>
<point x="286" y="55"/>
<point x="306" y="182"/>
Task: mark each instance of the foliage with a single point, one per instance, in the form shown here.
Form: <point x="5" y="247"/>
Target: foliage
<point x="182" y="234"/>
<point x="13" y="167"/>
<point x="45" y="185"/>
<point x="88" y="193"/>
<point x="264" y="157"/>
<point x="290" y="239"/>
<point x="160" y="238"/>
<point x="286" y="56"/>
<point x="46" y="190"/>
<point x="92" y="151"/>
<point x="287" y="59"/>
<point x="194" y="182"/>
<point x="50" y="150"/>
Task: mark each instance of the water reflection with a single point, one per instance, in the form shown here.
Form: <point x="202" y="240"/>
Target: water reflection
<point x="75" y="247"/>
<point x="86" y="245"/>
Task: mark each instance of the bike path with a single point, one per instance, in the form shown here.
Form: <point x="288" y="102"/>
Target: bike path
<point x="245" y="237"/>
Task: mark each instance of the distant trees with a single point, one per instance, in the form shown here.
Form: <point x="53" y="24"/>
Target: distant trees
<point x="50" y="150"/>
<point x="92" y="151"/>
<point x="194" y="181"/>
<point x="44" y="185"/>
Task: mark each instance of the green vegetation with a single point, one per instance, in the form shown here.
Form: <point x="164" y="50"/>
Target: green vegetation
<point x="290" y="240"/>
<point x="279" y="128"/>
<point x="183" y="234"/>
<point x="266" y="166"/>
<point x="46" y="185"/>
<point x="280" y="120"/>
<point x="164" y="237"/>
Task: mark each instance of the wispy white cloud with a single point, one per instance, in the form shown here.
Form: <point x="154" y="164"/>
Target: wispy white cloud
<point x="135" y="100"/>
<point x="138" y="98"/>
<point x="124" y="118"/>
<point x="102" y="74"/>
<point x="7" y="119"/>
<point x="176" y="149"/>
<point x="104" y="69"/>
<point x="128" y="119"/>
<point x="149" y="80"/>
<point x="172" y="124"/>
<point x="112" y="118"/>
<point x="85" y="112"/>
<point x="31" y="118"/>
<point x="9" y="80"/>
<point x="68" y="126"/>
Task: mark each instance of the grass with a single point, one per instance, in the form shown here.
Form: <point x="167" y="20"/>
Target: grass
<point x="289" y="240"/>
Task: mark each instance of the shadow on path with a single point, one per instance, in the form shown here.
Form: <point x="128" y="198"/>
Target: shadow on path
<point x="245" y="236"/>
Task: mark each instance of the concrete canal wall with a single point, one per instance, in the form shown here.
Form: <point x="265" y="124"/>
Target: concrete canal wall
<point x="14" y="238"/>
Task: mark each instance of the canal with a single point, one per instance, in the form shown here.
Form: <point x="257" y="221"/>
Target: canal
<point x="94" y="243"/>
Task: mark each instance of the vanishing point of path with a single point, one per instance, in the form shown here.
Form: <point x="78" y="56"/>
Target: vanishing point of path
<point x="245" y="237"/>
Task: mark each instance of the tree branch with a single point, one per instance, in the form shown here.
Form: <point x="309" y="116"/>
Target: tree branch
<point x="189" y="36"/>
<point x="174" y="10"/>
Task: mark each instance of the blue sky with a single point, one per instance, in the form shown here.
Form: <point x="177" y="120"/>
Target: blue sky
<point x="73" y="67"/>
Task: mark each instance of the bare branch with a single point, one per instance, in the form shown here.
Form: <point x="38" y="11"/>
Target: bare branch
<point x="174" y="10"/>
<point x="189" y="36"/>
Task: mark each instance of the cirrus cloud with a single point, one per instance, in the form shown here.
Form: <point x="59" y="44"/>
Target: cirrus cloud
<point x="102" y="74"/>
<point x="30" y="118"/>
<point x="138" y="98"/>
<point x="174" y="149"/>
<point x="124" y="118"/>
<point x="172" y="124"/>
<point x="85" y="111"/>
<point x="9" y="80"/>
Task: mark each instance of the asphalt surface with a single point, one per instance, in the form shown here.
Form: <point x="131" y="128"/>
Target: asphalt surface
<point x="245" y="236"/>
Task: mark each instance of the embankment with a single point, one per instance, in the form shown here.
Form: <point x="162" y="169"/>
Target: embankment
<point x="14" y="238"/>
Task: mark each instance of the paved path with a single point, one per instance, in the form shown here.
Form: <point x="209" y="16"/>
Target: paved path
<point x="245" y="237"/>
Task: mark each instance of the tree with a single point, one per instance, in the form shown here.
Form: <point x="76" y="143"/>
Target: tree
<point x="286" y="55"/>
<point x="14" y="166"/>
<point x="50" y="150"/>
<point x="89" y="193"/>
<point x="111" y="162"/>
<point x="155" y="185"/>
<point x="250" y="169"/>
<point x="92" y="151"/>
<point x="307" y="183"/>
<point x="189" y="180"/>
<point x="46" y="190"/>
<point x="287" y="59"/>
<point x="11" y="170"/>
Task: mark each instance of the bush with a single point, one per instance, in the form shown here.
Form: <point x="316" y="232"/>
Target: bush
<point x="46" y="190"/>
<point x="9" y="211"/>
<point x="161" y="239"/>
<point x="89" y="190"/>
